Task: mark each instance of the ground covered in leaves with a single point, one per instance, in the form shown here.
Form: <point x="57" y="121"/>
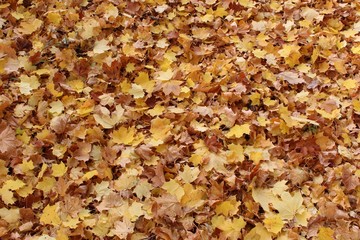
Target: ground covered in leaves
<point x="180" y="119"/>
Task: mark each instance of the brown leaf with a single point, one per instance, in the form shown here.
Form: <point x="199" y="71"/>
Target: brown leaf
<point x="8" y="141"/>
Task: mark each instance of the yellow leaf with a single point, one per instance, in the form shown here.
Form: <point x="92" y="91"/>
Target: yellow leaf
<point x="304" y="68"/>
<point x="51" y="88"/>
<point x="287" y="50"/>
<point x="174" y="189"/>
<point x="310" y="14"/>
<point x="10" y="215"/>
<point x="201" y="33"/>
<point x="157" y="110"/>
<point x="340" y="66"/>
<point x="57" y="108"/>
<point x="143" y="80"/>
<point x="160" y="128"/>
<point x="129" y="50"/>
<point x="344" y="151"/>
<point x="356" y="104"/>
<point x="86" y="108"/>
<point x="30" y="26"/>
<point x="54" y="17"/>
<point x="102" y="226"/>
<point x="27" y="84"/>
<point x="130" y="67"/>
<point x="165" y="76"/>
<point x="327" y="42"/>
<point x="194" y="196"/>
<point x="46" y="184"/>
<point x="143" y="189"/>
<point x="291" y="54"/>
<point x="236" y="153"/>
<point x="88" y="28"/>
<point x="13" y="184"/>
<point x="101" y="46"/>
<point x="259" y="53"/>
<point x="228" y="208"/>
<point x="356" y="49"/>
<point x="59" y="150"/>
<point x="7" y="196"/>
<point x="137" y="91"/>
<point x="334" y="114"/>
<point x="289" y="205"/>
<point x="220" y="12"/>
<point x="135" y="211"/>
<point x="25" y="191"/>
<point x="238" y="131"/>
<point x="71" y="222"/>
<point x="124" y="135"/>
<point x="256" y="154"/>
<point x="189" y="174"/>
<point x="50" y="215"/>
<point x="126" y="181"/>
<point x="102" y="116"/>
<point x="325" y="233"/>
<point x="111" y="11"/>
<point x="89" y="175"/>
<point x="273" y="223"/>
<point x="216" y="162"/>
<point x="262" y="121"/>
<point x="301" y="218"/>
<point x="231" y="227"/>
<point x="246" y="3"/>
<point x="58" y="170"/>
<point x="77" y="85"/>
<point x="42" y="170"/>
<point x="350" y="84"/>
<point x="279" y="187"/>
<point x="268" y="102"/>
<point x="259" y="232"/>
<point x="264" y="197"/>
<point x="27" y="166"/>
<point x="196" y="159"/>
<point x="255" y="98"/>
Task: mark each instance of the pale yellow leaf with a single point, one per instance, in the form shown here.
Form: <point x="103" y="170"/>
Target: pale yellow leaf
<point x="58" y="170"/>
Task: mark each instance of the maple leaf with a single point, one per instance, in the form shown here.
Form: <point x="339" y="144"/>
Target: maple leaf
<point x="189" y="174"/>
<point x="58" y="170"/>
<point x="258" y="232"/>
<point x="8" y="140"/>
<point x="291" y="77"/>
<point x="274" y="223"/>
<point x="50" y="216"/>
<point x="106" y="119"/>
<point x="194" y="118"/>
<point x="325" y="233"/>
<point x="228" y="208"/>
<point x="10" y="215"/>
<point x="30" y="26"/>
<point x="239" y="130"/>
<point x="230" y="227"/>
<point x="123" y="228"/>
<point x="114" y="70"/>
<point x="167" y="205"/>
<point x="174" y="188"/>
